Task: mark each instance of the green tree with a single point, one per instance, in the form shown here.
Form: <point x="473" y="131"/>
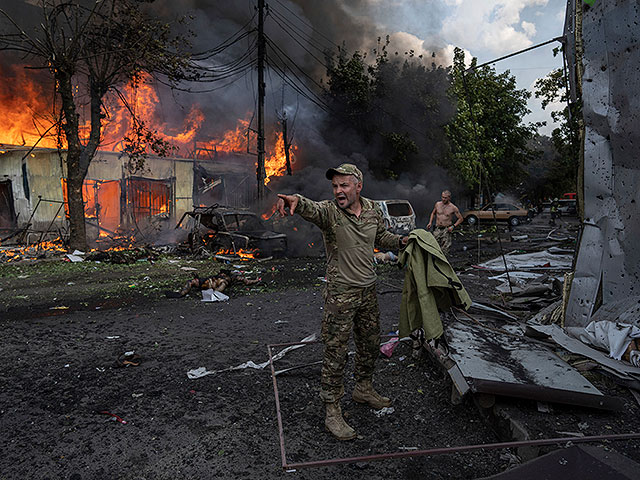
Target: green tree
<point x="563" y="171"/>
<point x="487" y="137"/>
<point x="90" y="48"/>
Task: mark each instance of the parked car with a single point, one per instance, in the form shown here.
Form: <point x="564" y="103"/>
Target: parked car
<point x="399" y="216"/>
<point x="513" y="214"/>
<point x="567" y="206"/>
<point x="224" y="228"/>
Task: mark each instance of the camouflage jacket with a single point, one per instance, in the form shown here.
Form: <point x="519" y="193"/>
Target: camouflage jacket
<point x="349" y="240"/>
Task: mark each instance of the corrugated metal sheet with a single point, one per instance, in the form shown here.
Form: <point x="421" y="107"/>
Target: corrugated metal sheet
<point x="500" y="364"/>
<point x="609" y="252"/>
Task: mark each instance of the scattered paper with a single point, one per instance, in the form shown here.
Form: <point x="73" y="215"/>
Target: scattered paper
<point x="212" y="295"/>
<point x="384" y="411"/>
<point x="74" y="258"/>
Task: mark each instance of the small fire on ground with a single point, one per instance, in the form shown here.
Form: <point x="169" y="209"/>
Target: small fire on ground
<point x="241" y="254"/>
<point x="56" y="248"/>
<point x="37" y="250"/>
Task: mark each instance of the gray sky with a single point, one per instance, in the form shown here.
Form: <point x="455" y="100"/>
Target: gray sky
<point x="485" y="29"/>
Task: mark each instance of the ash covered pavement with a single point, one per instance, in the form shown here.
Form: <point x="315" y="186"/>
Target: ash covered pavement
<point x="95" y="381"/>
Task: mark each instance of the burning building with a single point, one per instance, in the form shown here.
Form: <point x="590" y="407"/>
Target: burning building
<point x="117" y="199"/>
<point x="33" y="190"/>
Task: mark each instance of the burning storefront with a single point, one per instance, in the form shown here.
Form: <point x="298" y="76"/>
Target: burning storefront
<point x="33" y="191"/>
<point x="118" y="200"/>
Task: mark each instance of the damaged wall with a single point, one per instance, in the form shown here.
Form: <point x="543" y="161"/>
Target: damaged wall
<point x="33" y="174"/>
<point x="40" y="173"/>
<point x="609" y="255"/>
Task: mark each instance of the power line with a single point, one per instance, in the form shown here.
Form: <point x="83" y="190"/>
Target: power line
<point x="301" y="33"/>
<point x="299" y="43"/>
<point x="226" y="43"/>
<point x="307" y="24"/>
<point x="320" y="102"/>
<point x="556" y="39"/>
<point x="311" y="95"/>
<point x="275" y="45"/>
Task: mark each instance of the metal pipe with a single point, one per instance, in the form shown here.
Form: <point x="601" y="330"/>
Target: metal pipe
<point x="465" y="448"/>
<point x="278" y="415"/>
<point x="416" y="453"/>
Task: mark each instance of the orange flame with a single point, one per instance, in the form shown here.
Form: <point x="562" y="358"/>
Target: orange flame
<point x="243" y="254"/>
<point x="275" y="164"/>
<point x="143" y="99"/>
<point x="32" y="251"/>
<point x="23" y="108"/>
<point x="269" y="214"/>
<point x="24" y="105"/>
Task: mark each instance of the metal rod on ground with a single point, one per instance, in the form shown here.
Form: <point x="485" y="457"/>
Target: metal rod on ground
<point x="416" y="453"/>
<point x="296" y="367"/>
<point x="277" y="395"/>
<point x="465" y="448"/>
<point x="278" y="415"/>
<point x="504" y="259"/>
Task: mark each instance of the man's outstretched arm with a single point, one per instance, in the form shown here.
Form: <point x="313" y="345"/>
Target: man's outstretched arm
<point x="314" y="212"/>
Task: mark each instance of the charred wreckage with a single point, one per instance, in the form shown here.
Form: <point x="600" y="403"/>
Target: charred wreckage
<point x="220" y="228"/>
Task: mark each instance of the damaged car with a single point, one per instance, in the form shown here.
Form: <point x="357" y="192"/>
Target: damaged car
<point x="399" y="216"/>
<point x="219" y="228"/>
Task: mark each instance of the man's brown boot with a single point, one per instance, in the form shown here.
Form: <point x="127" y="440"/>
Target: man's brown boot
<point x="334" y="422"/>
<point x="364" y="393"/>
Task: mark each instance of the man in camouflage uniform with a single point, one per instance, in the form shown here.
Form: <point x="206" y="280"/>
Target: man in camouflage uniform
<point x="351" y="225"/>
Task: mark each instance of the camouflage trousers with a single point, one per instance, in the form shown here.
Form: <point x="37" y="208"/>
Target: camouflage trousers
<point x="346" y="309"/>
<point x="443" y="237"/>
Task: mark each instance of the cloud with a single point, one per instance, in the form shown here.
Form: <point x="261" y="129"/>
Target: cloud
<point x="528" y="28"/>
<point x="493" y="25"/>
<point x="445" y="55"/>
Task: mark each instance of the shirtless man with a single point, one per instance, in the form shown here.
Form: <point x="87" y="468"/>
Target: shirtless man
<point x="443" y="210"/>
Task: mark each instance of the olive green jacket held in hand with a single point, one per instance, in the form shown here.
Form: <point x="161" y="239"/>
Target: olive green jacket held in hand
<point x="430" y="284"/>
<point x="349" y="239"/>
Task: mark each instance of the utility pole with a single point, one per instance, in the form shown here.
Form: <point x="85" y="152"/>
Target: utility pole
<point x="260" y="172"/>
<point x="287" y="144"/>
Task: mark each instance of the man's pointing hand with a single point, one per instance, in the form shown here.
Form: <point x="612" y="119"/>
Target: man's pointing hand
<point x="284" y="201"/>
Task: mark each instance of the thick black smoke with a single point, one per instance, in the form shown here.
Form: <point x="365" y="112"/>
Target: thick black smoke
<point x="327" y="23"/>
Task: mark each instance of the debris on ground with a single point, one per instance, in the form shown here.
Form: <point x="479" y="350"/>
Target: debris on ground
<point x="202" y="371"/>
<point x="123" y="255"/>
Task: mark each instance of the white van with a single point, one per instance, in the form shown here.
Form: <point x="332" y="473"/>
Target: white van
<point x="399" y="216"/>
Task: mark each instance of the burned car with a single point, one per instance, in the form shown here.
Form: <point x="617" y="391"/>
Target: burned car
<point x="399" y="216"/>
<point x="218" y="228"/>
